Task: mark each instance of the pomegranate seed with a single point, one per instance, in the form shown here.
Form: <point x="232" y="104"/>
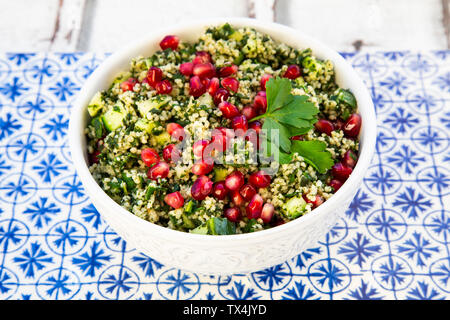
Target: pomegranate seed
<point x="256" y="125"/>
<point x="240" y="123"/>
<point x="231" y="84"/>
<point x="350" y="159"/>
<point x="254" y="207"/>
<point x="234" y="181"/>
<point x="201" y="57"/>
<point x="154" y="75"/>
<point x="186" y="68"/>
<point x="339" y="124"/>
<point x="149" y="156"/>
<point x="174" y="199"/>
<point x="228" y="70"/>
<point x="236" y="197"/>
<point x="128" y="85"/>
<point x="171" y="153"/>
<point x="219" y="190"/>
<point x="220" y="96"/>
<point x="249" y="112"/>
<point x="204" y="70"/>
<point x="247" y="191"/>
<point x="298" y="138"/>
<point x="196" y="87"/>
<point x="264" y="79"/>
<point x="232" y="214"/>
<point x="163" y="87"/>
<point x="318" y="200"/>
<point x="220" y="137"/>
<point x="199" y="146"/>
<point x="336" y="184"/>
<point x="267" y="212"/>
<point x="260" y="103"/>
<point x="341" y="172"/>
<point x="169" y="42"/>
<point x="201" y="188"/>
<point x="324" y="126"/>
<point x="213" y="86"/>
<point x="352" y="126"/>
<point x="93" y="157"/>
<point x="262" y="94"/>
<point x="228" y="110"/>
<point x="292" y="72"/>
<point x="259" y="179"/>
<point x="202" y="167"/>
<point x="176" y="131"/>
<point x="159" y="170"/>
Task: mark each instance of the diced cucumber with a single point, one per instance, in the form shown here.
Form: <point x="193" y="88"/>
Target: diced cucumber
<point x="220" y="226"/>
<point x="236" y="35"/>
<point x="145" y="106"/>
<point x="202" y="229"/>
<point x="145" y="125"/>
<point x="187" y="223"/>
<point x="294" y="207"/>
<point x="95" y="104"/>
<point x="163" y="138"/>
<point x="189" y="207"/>
<point x="113" y="118"/>
<point x="250" y="46"/>
<point x="220" y="174"/>
<point x="346" y="97"/>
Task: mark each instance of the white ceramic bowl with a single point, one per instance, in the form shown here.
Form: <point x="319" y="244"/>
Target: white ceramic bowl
<point x="231" y="253"/>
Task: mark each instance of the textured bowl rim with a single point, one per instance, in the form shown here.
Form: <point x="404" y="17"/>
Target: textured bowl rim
<point x="109" y="68"/>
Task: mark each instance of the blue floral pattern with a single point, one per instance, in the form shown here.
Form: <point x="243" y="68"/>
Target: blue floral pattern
<point x="392" y="243"/>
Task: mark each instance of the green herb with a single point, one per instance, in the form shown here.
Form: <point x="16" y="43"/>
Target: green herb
<point x="216" y="226"/>
<point x="314" y="153"/>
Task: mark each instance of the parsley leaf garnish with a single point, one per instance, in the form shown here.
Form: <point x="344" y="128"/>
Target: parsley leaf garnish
<point x="292" y="115"/>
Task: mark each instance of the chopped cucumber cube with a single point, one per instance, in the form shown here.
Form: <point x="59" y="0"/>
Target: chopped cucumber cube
<point x="95" y="104"/>
<point x="294" y="207"/>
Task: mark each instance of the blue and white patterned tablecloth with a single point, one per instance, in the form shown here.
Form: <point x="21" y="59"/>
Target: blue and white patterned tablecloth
<point x="393" y="243"/>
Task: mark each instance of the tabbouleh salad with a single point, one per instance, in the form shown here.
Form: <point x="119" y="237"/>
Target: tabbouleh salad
<point x="160" y="137"/>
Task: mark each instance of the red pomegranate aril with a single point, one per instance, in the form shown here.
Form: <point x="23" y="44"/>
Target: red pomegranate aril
<point x="352" y="126"/>
<point x="256" y="125"/>
<point x="186" y="68"/>
<point x="247" y="191"/>
<point x="202" y="167"/>
<point x="220" y="137"/>
<point x="298" y="138"/>
<point x="128" y="85"/>
<point x="201" y="188"/>
<point x="237" y="198"/>
<point x="230" y="83"/>
<point x="196" y="87"/>
<point x="169" y="41"/>
<point x="93" y="157"/>
<point x="249" y="112"/>
<point x="318" y="200"/>
<point x="154" y="75"/>
<point x="232" y="214"/>
<point x="228" y="70"/>
<point x="240" y="123"/>
<point x="264" y="80"/>
<point x="201" y="57"/>
<point x="324" y="126"/>
<point x="228" y="110"/>
<point x="174" y="199"/>
<point x="163" y="87"/>
<point x="292" y="72"/>
<point x="335" y="184"/>
<point x="260" y="103"/>
<point x="234" y="181"/>
<point x="259" y="179"/>
<point x="199" y="146"/>
<point x="339" y="124"/>
<point x="159" y="170"/>
<point x="254" y="207"/>
<point x="213" y="86"/>
<point x="149" y="156"/>
<point x="220" y="96"/>
<point x="350" y="159"/>
<point x="341" y="172"/>
<point x="204" y="70"/>
<point x="175" y="130"/>
<point x="219" y="190"/>
<point x="267" y="212"/>
<point x="171" y="153"/>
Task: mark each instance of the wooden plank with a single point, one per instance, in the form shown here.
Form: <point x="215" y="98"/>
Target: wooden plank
<point x="114" y="23"/>
<point x="371" y="24"/>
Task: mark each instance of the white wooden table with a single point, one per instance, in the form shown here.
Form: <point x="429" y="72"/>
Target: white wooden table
<point x="105" y="25"/>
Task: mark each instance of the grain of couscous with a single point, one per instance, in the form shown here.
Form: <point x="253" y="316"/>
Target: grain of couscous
<point x="234" y="133"/>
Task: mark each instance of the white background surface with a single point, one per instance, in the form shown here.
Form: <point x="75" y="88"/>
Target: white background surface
<point x="106" y="25"/>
